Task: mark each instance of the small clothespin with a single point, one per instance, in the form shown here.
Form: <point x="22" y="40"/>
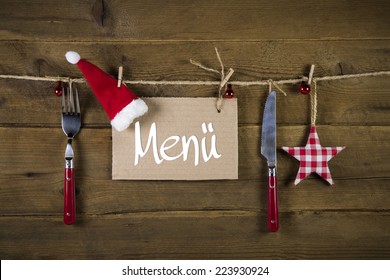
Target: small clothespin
<point x="311" y="74"/>
<point x="305" y="87"/>
<point x="120" y="76"/>
<point x="222" y="84"/>
<point x="227" y="77"/>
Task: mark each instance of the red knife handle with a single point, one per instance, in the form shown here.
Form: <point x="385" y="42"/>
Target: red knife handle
<point x="69" y="197"/>
<point x="273" y="219"/>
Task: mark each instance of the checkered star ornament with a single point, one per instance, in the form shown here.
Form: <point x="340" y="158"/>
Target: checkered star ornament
<point x="313" y="157"/>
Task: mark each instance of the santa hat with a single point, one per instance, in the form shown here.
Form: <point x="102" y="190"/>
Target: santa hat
<point x="120" y="103"/>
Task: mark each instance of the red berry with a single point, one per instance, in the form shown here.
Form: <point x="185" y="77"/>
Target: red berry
<point x="229" y="93"/>
<point x="58" y="89"/>
<point x="304" y="88"/>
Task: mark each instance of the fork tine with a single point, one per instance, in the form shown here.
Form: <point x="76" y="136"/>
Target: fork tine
<point x="68" y="100"/>
<point x="77" y="102"/>
<point x="71" y="100"/>
<point x="63" y="99"/>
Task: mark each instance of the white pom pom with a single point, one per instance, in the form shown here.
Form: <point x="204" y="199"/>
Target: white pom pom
<point x="72" y="57"/>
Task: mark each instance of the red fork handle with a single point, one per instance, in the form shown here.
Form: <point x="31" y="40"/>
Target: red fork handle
<point x="69" y="197"/>
<point x="273" y="219"/>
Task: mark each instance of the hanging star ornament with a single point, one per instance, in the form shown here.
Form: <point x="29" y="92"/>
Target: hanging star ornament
<point x="313" y="157"/>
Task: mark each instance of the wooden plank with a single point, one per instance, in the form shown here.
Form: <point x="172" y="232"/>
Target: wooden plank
<point x="32" y="172"/>
<point x="196" y="20"/>
<point x="352" y="101"/>
<point x="22" y="148"/>
<point x="196" y="220"/>
<point x="170" y="60"/>
<point x="42" y="194"/>
<point x="198" y="235"/>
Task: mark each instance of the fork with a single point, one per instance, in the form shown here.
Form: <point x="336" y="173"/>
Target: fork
<point x="71" y="122"/>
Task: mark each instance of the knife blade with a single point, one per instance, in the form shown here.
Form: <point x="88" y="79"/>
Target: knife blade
<point x="268" y="150"/>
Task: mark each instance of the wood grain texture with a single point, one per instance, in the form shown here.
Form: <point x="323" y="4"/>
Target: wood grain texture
<point x="198" y="235"/>
<point x="32" y="167"/>
<point x="353" y="101"/>
<point x="154" y="40"/>
<point x="193" y="20"/>
<point x="161" y="60"/>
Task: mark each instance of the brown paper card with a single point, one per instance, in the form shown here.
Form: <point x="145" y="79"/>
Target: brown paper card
<point x="178" y="139"/>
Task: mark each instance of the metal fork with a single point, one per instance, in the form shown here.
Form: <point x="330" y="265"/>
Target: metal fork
<point x="71" y="122"/>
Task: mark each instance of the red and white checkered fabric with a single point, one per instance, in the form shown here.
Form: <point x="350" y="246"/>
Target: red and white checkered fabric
<point x="313" y="157"/>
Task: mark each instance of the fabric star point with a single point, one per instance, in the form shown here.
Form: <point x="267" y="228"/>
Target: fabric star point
<point x="313" y="157"/>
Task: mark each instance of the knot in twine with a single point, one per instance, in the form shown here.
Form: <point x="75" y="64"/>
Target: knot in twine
<point x="272" y="82"/>
<point x="224" y="78"/>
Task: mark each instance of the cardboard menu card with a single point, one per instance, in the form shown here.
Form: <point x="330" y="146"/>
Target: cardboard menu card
<point x="178" y="139"/>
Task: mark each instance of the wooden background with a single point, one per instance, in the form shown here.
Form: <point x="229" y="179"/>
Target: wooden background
<point x="154" y="40"/>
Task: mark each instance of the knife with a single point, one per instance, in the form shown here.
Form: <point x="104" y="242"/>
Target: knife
<point x="268" y="150"/>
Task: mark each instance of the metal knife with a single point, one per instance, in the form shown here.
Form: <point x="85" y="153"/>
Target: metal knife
<point x="268" y="150"/>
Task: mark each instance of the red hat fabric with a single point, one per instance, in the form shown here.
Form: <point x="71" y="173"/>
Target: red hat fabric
<point x="120" y="103"/>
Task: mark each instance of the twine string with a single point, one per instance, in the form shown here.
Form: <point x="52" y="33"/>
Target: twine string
<point x="44" y="79"/>
<point x="204" y="67"/>
<point x="224" y="79"/>
<point x="189" y="83"/>
<point x="271" y="82"/>
<point x="222" y="70"/>
<point x="198" y="83"/>
<point x="313" y="103"/>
